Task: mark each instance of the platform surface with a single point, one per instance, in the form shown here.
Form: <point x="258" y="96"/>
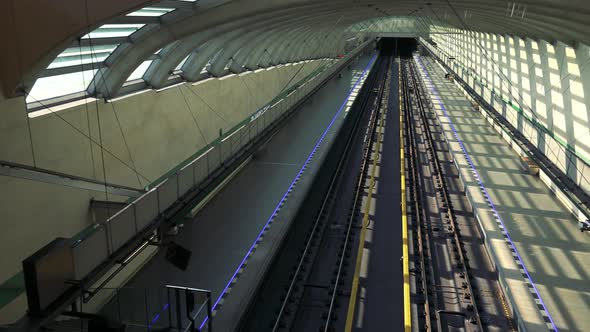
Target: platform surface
<point x="555" y="253"/>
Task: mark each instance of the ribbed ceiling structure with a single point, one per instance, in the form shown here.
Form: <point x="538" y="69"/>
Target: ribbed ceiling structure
<point x="116" y="47"/>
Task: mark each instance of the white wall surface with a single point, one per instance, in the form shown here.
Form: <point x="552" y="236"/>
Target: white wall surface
<point x="160" y="129"/>
<point x="550" y="83"/>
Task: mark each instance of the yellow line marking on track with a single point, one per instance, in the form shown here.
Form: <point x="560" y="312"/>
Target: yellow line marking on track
<point x="507" y="312"/>
<point x="359" y="255"/>
<point x="406" y="261"/>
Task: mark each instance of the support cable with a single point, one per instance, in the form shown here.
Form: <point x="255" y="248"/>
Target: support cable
<point x="269" y="96"/>
<point x="104" y="172"/>
<point x="208" y="106"/>
<point x="254" y="101"/>
<point x="100" y="71"/>
<point x="108" y="152"/>
<point x="188" y="108"/>
<point x="126" y="144"/>
<point x="87" y="111"/>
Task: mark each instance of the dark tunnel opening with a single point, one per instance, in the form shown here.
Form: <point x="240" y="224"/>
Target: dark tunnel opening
<point x="397" y="46"/>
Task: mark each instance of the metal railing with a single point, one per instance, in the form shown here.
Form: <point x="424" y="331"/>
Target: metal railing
<point x="170" y="308"/>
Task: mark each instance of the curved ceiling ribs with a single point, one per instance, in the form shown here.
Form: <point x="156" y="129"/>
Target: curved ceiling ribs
<point x="225" y="41"/>
<point x="214" y="37"/>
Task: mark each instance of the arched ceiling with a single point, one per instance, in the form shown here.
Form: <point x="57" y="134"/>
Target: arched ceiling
<point x="239" y="34"/>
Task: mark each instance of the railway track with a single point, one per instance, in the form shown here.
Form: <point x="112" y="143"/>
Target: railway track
<point x="450" y="295"/>
<point x="444" y="281"/>
<point x="308" y="286"/>
<point x="320" y="286"/>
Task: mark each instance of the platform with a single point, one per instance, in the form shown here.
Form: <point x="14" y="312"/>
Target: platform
<point x="231" y="238"/>
<point x="549" y="249"/>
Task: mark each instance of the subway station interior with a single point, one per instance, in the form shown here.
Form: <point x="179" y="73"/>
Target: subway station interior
<point x="294" y="165"/>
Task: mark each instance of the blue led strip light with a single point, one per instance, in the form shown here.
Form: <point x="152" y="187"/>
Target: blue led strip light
<point x="289" y="190"/>
<point x="525" y="273"/>
<point x="157" y="316"/>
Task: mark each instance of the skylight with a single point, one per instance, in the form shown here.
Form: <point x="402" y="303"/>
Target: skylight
<point x="151" y="11"/>
<point x="139" y="71"/>
<point x="113" y="30"/>
<point x="82" y="55"/>
<point x="60" y="85"/>
<point x="179" y="66"/>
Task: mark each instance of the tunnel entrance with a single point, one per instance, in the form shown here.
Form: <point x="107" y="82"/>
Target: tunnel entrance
<point x="397" y="46"/>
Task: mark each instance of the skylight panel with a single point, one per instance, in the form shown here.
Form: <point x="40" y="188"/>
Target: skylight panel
<point x="82" y="55"/>
<point x="140" y="70"/>
<point x="179" y="66"/>
<point x="60" y="85"/>
<point x="151" y="11"/>
<point x="113" y="30"/>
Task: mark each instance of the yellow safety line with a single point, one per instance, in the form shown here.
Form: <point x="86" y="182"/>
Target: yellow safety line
<point x="359" y="255"/>
<point x="406" y="261"/>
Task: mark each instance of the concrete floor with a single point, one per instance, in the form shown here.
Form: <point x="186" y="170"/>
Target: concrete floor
<point x="223" y="231"/>
<point x="546" y="236"/>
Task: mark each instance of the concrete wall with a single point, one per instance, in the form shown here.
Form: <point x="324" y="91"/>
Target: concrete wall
<point x="547" y="84"/>
<point x="160" y="129"/>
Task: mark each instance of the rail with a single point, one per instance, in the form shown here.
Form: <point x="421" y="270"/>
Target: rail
<point x="376" y="131"/>
<point x="415" y="211"/>
<point x="327" y="201"/>
<point x="447" y="205"/>
<point x="461" y="273"/>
